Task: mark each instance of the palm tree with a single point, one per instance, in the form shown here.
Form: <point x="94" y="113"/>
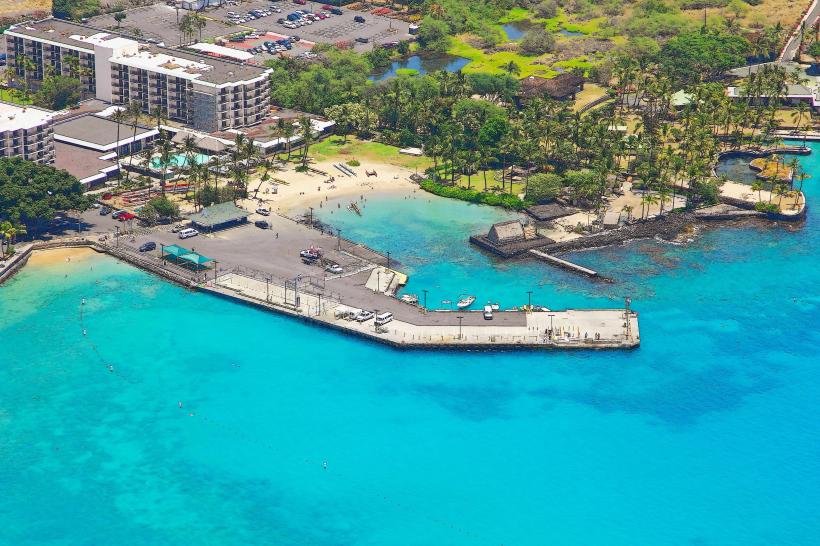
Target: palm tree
<point x="306" y="129"/>
<point x="118" y="117"/>
<point x="758" y="187"/>
<point x="7" y="234"/>
<point x="165" y="150"/>
<point x="134" y="110"/>
<point x="158" y="114"/>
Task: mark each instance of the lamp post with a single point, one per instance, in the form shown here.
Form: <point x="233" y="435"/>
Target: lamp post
<point x="267" y="288"/>
<point x="216" y="265"/>
<point x="388" y="259"/>
<point x="118" y="235"/>
<point x="425" y="299"/>
<point x="460" y="318"/>
<point x="551" y="330"/>
<point x="339" y="236"/>
<point x="529" y="301"/>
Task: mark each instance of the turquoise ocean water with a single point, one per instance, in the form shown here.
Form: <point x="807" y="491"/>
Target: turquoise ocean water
<point x="708" y="434"/>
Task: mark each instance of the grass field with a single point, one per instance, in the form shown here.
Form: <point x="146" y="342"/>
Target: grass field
<point x="13" y="95"/>
<point x="335" y="148"/>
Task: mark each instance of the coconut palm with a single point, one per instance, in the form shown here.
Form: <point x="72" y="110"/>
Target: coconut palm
<point x="306" y="130"/>
<point x="119" y="118"/>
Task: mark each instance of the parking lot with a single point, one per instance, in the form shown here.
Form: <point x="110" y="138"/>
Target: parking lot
<point x="335" y="28"/>
<point x="159" y="22"/>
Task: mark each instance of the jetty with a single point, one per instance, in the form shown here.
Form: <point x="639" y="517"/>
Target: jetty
<point x="412" y="327"/>
<point x="563" y="264"/>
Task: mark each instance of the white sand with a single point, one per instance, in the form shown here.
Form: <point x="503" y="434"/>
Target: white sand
<point x="308" y="189"/>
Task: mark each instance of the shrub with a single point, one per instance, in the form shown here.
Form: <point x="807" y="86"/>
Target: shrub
<point x="354" y="163"/>
<point x="473" y="196"/>
<point x="537" y="42"/>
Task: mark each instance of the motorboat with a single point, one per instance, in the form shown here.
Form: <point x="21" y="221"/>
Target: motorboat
<point x="464" y="301"/>
<point x="412" y="299"/>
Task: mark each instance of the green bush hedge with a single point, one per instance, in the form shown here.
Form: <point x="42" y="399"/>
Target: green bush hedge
<point x="455" y="192"/>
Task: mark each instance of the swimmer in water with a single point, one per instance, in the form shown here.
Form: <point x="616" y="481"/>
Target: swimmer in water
<point x="324" y="464"/>
<point x="110" y="367"/>
<point x="180" y="404"/>
<point x="84" y="332"/>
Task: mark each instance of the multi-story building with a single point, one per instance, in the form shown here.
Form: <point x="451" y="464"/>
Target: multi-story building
<point x="27" y="132"/>
<point x="205" y="93"/>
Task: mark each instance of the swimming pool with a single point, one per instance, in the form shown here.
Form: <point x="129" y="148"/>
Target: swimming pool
<point x="179" y="161"/>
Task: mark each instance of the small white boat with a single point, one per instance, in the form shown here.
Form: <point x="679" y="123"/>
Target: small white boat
<point x="465" y="301"/>
<point x="412" y="299"/>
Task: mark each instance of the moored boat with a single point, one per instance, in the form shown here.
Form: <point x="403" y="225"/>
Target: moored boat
<point x="465" y="301"/>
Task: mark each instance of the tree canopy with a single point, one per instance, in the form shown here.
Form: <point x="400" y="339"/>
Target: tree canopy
<point x="701" y="55"/>
<point x="31" y="193"/>
<point x="58" y="92"/>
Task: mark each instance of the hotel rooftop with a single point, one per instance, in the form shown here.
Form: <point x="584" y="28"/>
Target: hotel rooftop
<point x="132" y="52"/>
<point x="14" y="117"/>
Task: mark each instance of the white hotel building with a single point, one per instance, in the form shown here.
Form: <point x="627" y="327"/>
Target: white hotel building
<point x="202" y="92"/>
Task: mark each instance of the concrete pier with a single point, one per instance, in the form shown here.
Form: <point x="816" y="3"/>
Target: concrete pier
<point x="321" y="300"/>
<point x="567" y="329"/>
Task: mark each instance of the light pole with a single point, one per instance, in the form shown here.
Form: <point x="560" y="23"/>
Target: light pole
<point x="216" y="265"/>
<point x="388" y="259"/>
<point x="425" y="299"/>
<point x="551" y="330"/>
<point x="460" y="318"/>
<point x="339" y="236"/>
<point x="118" y="235"/>
<point x="529" y="301"/>
<point x="267" y="288"/>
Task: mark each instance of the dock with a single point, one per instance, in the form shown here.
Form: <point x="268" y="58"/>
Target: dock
<point x="566" y="329"/>
<point x="563" y="264"/>
<point x="412" y="327"/>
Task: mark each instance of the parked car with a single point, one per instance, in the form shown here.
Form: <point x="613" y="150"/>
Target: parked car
<point x="362" y="40"/>
<point x="359" y="19"/>
<point x="364" y="316"/>
<point x="105" y="211"/>
<point x="310" y="254"/>
<point x="116" y="214"/>
<point x="327" y="7"/>
<point x="188" y="232"/>
<point x="146" y="247"/>
<point x="336" y="11"/>
<point x="263" y="211"/>
<point x="125" y="216"/>
<point x="300" y="2"/>
<point x="177" y="228"/>
<point x="336" y="269"/>
<point x="262" y="224"/>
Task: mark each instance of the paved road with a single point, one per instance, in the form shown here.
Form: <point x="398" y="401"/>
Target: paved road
<point x="795" y="39"/>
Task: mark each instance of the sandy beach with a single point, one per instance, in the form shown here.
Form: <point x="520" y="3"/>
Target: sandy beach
<point x="57" y="256"/>
<point x="302" y="190"/>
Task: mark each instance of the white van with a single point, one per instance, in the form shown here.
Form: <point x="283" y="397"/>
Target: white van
<point x="188" y="232"/>
<point x="488" y="312"/>
<point x="383" y="318"/>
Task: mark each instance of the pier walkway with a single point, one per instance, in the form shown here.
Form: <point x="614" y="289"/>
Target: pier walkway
<point x="590" y="329"/>
<point x="563" y="263"/>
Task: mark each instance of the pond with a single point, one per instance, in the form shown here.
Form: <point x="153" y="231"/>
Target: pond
<point x="565" y="32"/>
<point x="515" y="31"/>
<point x="736" y="168"/>
<point x="423" y="65"/>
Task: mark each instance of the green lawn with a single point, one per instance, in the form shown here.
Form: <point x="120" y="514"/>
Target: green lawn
<point x="13" y="95"/>
<point x="493" y="63"/>
<point x="334" y="148"/>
